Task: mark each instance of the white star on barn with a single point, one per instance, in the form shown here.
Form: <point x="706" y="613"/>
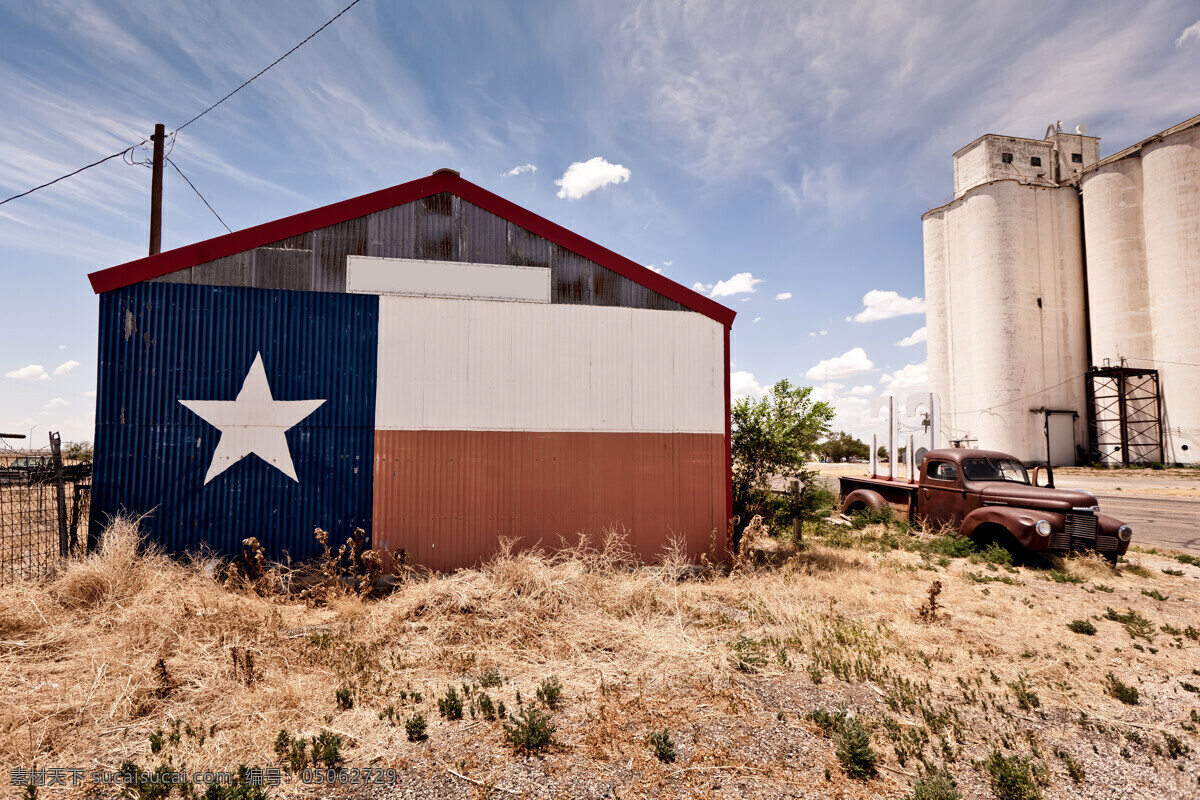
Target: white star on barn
<point x="253" y="423"/>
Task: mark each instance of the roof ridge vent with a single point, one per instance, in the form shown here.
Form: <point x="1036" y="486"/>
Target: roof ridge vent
<point x="453" y="172"/>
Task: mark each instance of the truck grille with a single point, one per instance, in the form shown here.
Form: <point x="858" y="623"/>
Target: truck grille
<point x="1081" y="529"/>
<point x="1106" y="544"/>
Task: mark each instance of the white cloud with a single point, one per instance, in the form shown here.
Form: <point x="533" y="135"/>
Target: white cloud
<point x="885" y="305"/>
<point x="653" y="268"/>
<point x="742" y="384"/>
<point x="863" y="391"/>
<point x="668" y="263"/>
<point x="1190" y="32"/>
<point x="905" y="381"/>
<point x="521" y="169"/>
<point x="89" y="394"/>
<point x="745" y="299"/>
<point x="702" y="288"/>
<point x="756" y="319"/>
<point x="65" y="367"/>
<point x="849" y="363"/>
<point x="56" y="402"/>
<point x="917" y="337"/>
<point x="812" y="333"/>
<point x="33" y="372"/>
<point x="822" y="333"/>
<point x="784" y="296"/>
<point x="742" y="283"/>
<point x="584" y="177"/>
<point x="826" y="392"/>
<point x="62" y="347"/>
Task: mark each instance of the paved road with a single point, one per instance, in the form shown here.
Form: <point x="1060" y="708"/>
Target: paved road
<point x="1157" y="520"/>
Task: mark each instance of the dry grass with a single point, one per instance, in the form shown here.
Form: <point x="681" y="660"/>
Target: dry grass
<point x="729" y="665"/>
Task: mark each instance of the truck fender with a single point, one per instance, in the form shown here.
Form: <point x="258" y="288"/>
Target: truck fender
<point x="861" y="499"/>
<point x="1019" y="522"/>
<point x="1109" y="527"/>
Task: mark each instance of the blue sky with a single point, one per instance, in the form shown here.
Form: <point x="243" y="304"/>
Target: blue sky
<point x="757" y="149"/>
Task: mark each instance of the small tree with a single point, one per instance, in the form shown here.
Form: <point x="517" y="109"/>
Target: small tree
<point x="773" y="436"/>
<point x="841" y="446"/>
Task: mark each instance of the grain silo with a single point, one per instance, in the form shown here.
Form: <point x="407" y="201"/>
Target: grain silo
<point x="1062" y="298"/>
<point x="431" y="363"/>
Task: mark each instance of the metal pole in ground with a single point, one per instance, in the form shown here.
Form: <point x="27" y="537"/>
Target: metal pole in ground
<point x="61" y="491"/>
<point x="797" y="525"/>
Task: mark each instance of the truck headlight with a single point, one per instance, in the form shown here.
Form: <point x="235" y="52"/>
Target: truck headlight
<point x="1042" y="527"/>
<point x="1124" y="532"/>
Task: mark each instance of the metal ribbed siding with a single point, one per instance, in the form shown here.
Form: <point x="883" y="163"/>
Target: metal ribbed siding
<point x="447" y="497"/>
<point x="160" y="343"/>
<point x="442" y="227"/>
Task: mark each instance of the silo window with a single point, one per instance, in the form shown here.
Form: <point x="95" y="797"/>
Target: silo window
<point x="1076" y="158"/>
<point x="1006" y="158"/>
<point x="1035" y="161"/>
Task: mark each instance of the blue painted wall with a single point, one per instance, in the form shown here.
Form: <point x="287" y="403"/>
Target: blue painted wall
<point x="163" y="342"/>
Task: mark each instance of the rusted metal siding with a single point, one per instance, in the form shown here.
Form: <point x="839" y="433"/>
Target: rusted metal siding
<point x="447" y="497"/>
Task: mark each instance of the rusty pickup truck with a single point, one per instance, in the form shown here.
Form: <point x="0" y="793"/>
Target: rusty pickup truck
<point x="989" y="496"/>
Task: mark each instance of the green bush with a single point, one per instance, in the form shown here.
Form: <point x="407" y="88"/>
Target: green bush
<point x="1082" y="626"/>
<point x="1121" y="691"/>
<point x="854" y="749"/>
<point x="450" y="706"/>
<point x="1011" y="777"/>
<point x="1074" y="769"/>
<point x="550" y="691"/>
<point x="414" y="726"/>
<point x="240" y="788"/>
<point x="1027" y="699"/>
<point x="531" y="729"/>
<point x="345" y="698"/>
<point x="664" y="748"/>
<point x="936" y="784"/>
<point x="490" y="679"/>
<point x="327" y="748"/>
<point x="486" y="707"/>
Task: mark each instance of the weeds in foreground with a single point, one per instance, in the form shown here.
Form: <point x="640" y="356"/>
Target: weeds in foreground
<point x="663" y="747"/>
<point x="530" y="729"/>
<point x="1135" y="624"/>
<point x="1011" y="777"/>
<point x="935" y="784"/>
<point x="450" y="706"/>
<point x="853" y="742"/>
<point x="414" y="727"/>
<point x="1114" y="687"/>
<point x="928" y="610"/>
<point x="1075" y="770"/>
<point x="1027" y="699"/>
<point x="550" y="691"/>
<point x="1082" y="626"/>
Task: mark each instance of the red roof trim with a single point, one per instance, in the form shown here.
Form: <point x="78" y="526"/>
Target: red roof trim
<point x="443" y="181"/>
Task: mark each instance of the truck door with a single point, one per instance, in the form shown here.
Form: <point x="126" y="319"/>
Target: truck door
<point x="942" y="498"/>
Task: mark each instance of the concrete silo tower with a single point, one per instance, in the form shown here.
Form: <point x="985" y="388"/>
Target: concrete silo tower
<point x="1005" y="293"/>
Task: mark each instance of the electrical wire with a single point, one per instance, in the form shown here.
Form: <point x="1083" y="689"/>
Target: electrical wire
<point x="68" y="175"/>
<point x="1016" y="400"/>
<point x="197" y="191"/>
<point x="264" y="69"/>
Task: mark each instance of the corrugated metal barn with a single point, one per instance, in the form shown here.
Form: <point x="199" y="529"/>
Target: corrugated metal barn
<point x="431" y="363"/>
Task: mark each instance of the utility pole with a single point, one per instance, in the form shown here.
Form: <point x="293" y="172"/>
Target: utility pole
<point x="160" y="134"/>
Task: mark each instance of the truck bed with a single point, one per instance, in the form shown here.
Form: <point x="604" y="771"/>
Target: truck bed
<point x="899" y="494"/>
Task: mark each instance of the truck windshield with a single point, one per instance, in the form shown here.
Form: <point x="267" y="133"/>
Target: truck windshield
<point x="994" y="469"/>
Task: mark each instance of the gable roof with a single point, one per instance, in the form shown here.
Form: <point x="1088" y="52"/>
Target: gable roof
<point x="444" y="180"/>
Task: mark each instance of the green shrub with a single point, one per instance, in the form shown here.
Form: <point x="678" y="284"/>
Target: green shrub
<point x="490" y="679"/>
<point x="550" y="691"/>
<point x="1175" y="573"/>
<point x="1121" y="691"/>
<point x="1154" y="594"/>
<point x="414" y="726"/>
<point x="1082" y="626"/>
<point x="345" y="698"/>
<point x="283" y="744"/>
<point x="156" y="741"/>
<point x="531" y="729"/>
<point x="664" y="748"/>
<point x="936" y="784"/>
<point x="327" y="748"/>
<point x="1075" y="770"/>
<point x="240" y="788"/>
<point x="1011" y="777"/>
<point x="1027" y="699"/>
<point x="1188" y="559"/>
<point x="486" y="707"/>
<point x="450" y="706"/>
<point x="1135" y="624"/>
<point x="854" y="749"/>
<point x="995" y="554"/>
<point x="1063" y="577"/>
<point x="1175" y="746"/>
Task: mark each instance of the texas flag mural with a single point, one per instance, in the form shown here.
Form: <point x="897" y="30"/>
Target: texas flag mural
<point x="438" y="424"/>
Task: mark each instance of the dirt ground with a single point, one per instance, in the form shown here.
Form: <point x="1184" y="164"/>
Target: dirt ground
<point x="137" y="658"/>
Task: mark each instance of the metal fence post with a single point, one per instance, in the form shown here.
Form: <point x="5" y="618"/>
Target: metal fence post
<point x="61" y="492"/>
<point x="797" y="523"/>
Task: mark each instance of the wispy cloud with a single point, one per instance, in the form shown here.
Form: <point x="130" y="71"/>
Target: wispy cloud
<point x="852" y="362"/>
<point x="905" y="381"/>
<point x="522" y="169"/>
<point x="65" y="367"/>
<point x="879" y="305"/>
<point x="33" y="372"/>
<point x="1189" y="33"/>
<point x="784" y="296"/>
<point x="916" y="337"/>
<point x="584" y="177"/>
<point x="56" y="402"/>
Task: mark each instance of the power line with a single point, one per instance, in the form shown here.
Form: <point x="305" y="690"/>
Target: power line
<point x="264" y="69"/>
<point x="197" y="191"/>
<point x="1016" y="400"/>
<point x="68" y="175"/>
<point x="189" y="122"/>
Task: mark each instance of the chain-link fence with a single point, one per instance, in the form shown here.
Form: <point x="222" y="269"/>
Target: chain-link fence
<point x="44" y="502"/>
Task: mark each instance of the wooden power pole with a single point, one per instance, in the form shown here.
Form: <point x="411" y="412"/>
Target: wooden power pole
<point x="160" y="134"/>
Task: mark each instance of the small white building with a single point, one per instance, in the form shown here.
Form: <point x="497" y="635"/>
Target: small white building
<point x="1063" y="298"/>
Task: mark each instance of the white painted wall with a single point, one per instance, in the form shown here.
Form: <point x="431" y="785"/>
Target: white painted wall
<point x="448" y="364"/>
<point x="420" y="278"/>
